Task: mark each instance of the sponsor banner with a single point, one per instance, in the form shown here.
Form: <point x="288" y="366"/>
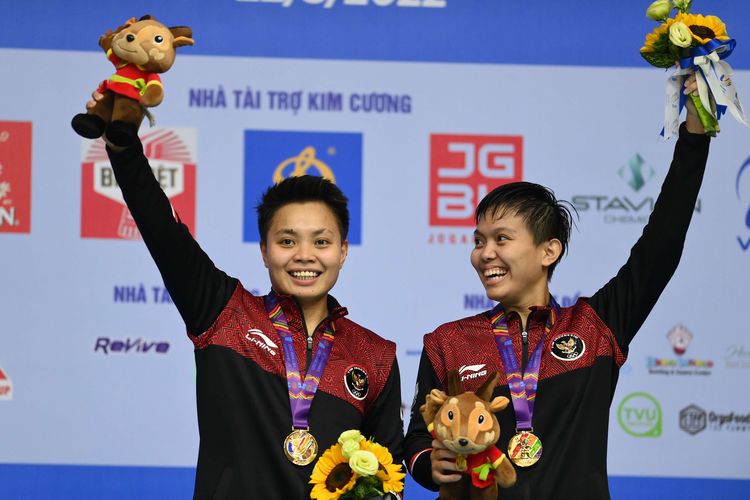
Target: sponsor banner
<point x="15" y="177"/>
<point x="679" y="338"/>
<point x="400" y="30"/>
<point x="108" y="345"/>
<point x="694" y="420"/>
<point x="737" y="357"/>
<point x="171" y="154"/>
<point x="6" y="386"/>
<point x="625" y="206"/>
<point x="639" y="415"/>
<point x="464" y="168"/>
<point x="272" y="156"/>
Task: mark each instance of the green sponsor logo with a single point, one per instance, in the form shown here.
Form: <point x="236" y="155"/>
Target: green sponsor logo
<point x="639" y="414"/>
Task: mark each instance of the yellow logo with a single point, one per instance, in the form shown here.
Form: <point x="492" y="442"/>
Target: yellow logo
<point x="301" y="164"/>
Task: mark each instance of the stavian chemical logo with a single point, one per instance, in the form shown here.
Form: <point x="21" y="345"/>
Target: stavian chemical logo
<point x="629" y="207"/>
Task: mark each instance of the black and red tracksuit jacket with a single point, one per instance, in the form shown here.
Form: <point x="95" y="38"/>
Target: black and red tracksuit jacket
<point x="243" y="405"/>
<point x="571" y="414"/>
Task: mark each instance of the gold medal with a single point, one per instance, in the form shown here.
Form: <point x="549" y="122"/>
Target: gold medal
<point x="300" y="447"/>
<point x="525" y="449"/>
<point x="461" y="463"/>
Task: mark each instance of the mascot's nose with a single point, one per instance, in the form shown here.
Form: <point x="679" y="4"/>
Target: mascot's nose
<point x="130" y="37"/>
<point x="463" y="442"/>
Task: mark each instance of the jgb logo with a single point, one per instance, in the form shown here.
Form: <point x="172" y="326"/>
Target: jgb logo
<point x="271" y="157"/>
<point x="639" y="414"/>
<point x="171" y="153"/>
<point x="744" y="239"/>
<point x="464" y="168"/>
<point x="15" y="177"/>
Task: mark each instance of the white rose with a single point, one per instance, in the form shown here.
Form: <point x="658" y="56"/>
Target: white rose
<point x="679" y="34"/>
<point x="349" y="441"/>
<point x="364" y="463"/>
<point x="659" y="10"/>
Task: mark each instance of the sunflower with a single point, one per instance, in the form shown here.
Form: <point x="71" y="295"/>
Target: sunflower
<point x="389" y="473"/>
<point x="655" y="49"/>
<point x="704" y="28"/>
<point x="332" y="475"/>
<point x="657" y="40"/>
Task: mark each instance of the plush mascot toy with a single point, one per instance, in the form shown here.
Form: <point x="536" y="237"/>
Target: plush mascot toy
<point x="464" y="422"/>
<point x="139" y="50"/>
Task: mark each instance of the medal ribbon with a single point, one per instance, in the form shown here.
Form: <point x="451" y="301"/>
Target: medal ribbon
<point x="522" y="386"/>
<point x="300" y="394"/>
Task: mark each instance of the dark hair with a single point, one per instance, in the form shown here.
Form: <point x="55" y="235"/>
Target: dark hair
<point x="301" y="189"/>
<point x="545" y="216"/>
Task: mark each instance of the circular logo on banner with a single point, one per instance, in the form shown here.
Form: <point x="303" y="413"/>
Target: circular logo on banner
<point x="356" y="382"/>
<point x="568" y="347"/>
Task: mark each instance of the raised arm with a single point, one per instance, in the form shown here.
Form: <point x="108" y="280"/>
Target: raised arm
<point x="199" y="290"/>
<point x="625" y="302"/>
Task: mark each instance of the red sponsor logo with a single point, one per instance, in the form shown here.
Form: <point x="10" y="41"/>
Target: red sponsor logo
<point x="464" y="168"/>
<point x="15" y="177"/>
<point x="103" y="210"/>
<point x="6" y="386"/>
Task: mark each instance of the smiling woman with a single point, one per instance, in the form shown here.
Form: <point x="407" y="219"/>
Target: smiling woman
<point x="272" y="352"/>
<point x="304" y="251"/>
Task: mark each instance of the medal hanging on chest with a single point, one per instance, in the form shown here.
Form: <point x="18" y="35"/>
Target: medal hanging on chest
<point x="525" y="447"/>
<point x="300" y="446"/>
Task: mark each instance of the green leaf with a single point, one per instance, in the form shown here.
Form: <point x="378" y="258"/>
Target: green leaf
<point x="659" y="59"/>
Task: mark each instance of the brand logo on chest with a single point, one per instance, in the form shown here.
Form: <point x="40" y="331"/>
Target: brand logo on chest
<point x="261" y="340"/>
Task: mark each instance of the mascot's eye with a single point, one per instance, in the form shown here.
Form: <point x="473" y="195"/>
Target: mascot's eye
<point x="450" y="415"/>
<point x="158" y="38"/>
<point x="481" y="419"/>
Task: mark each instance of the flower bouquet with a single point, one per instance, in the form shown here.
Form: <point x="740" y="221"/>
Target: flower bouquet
<point x="357" y="469"/>
<point x="698" y="43"/>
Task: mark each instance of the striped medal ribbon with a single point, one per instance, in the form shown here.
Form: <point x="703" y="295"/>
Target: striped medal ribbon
<point x="524" y="448"/>
<point x="300" y="446"/>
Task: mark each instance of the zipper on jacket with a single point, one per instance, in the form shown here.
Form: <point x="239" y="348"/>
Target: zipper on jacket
<point x="524" y="346"/>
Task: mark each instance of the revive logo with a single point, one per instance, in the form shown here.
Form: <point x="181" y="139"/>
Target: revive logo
<point x="640" y="415"/>
<point x="107" y="345"/>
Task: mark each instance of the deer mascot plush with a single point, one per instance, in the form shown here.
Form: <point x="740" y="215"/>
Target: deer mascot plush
<point x="464" y="422"/>
<point x="139" y="50"/>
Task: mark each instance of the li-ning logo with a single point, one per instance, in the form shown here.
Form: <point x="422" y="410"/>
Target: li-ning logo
<point x="264" y="342"/>
<point x="743" y="241"/>
<point x="636" y="172"/>
<point x="301" y="164"/>
<point x="471" y="372"/>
